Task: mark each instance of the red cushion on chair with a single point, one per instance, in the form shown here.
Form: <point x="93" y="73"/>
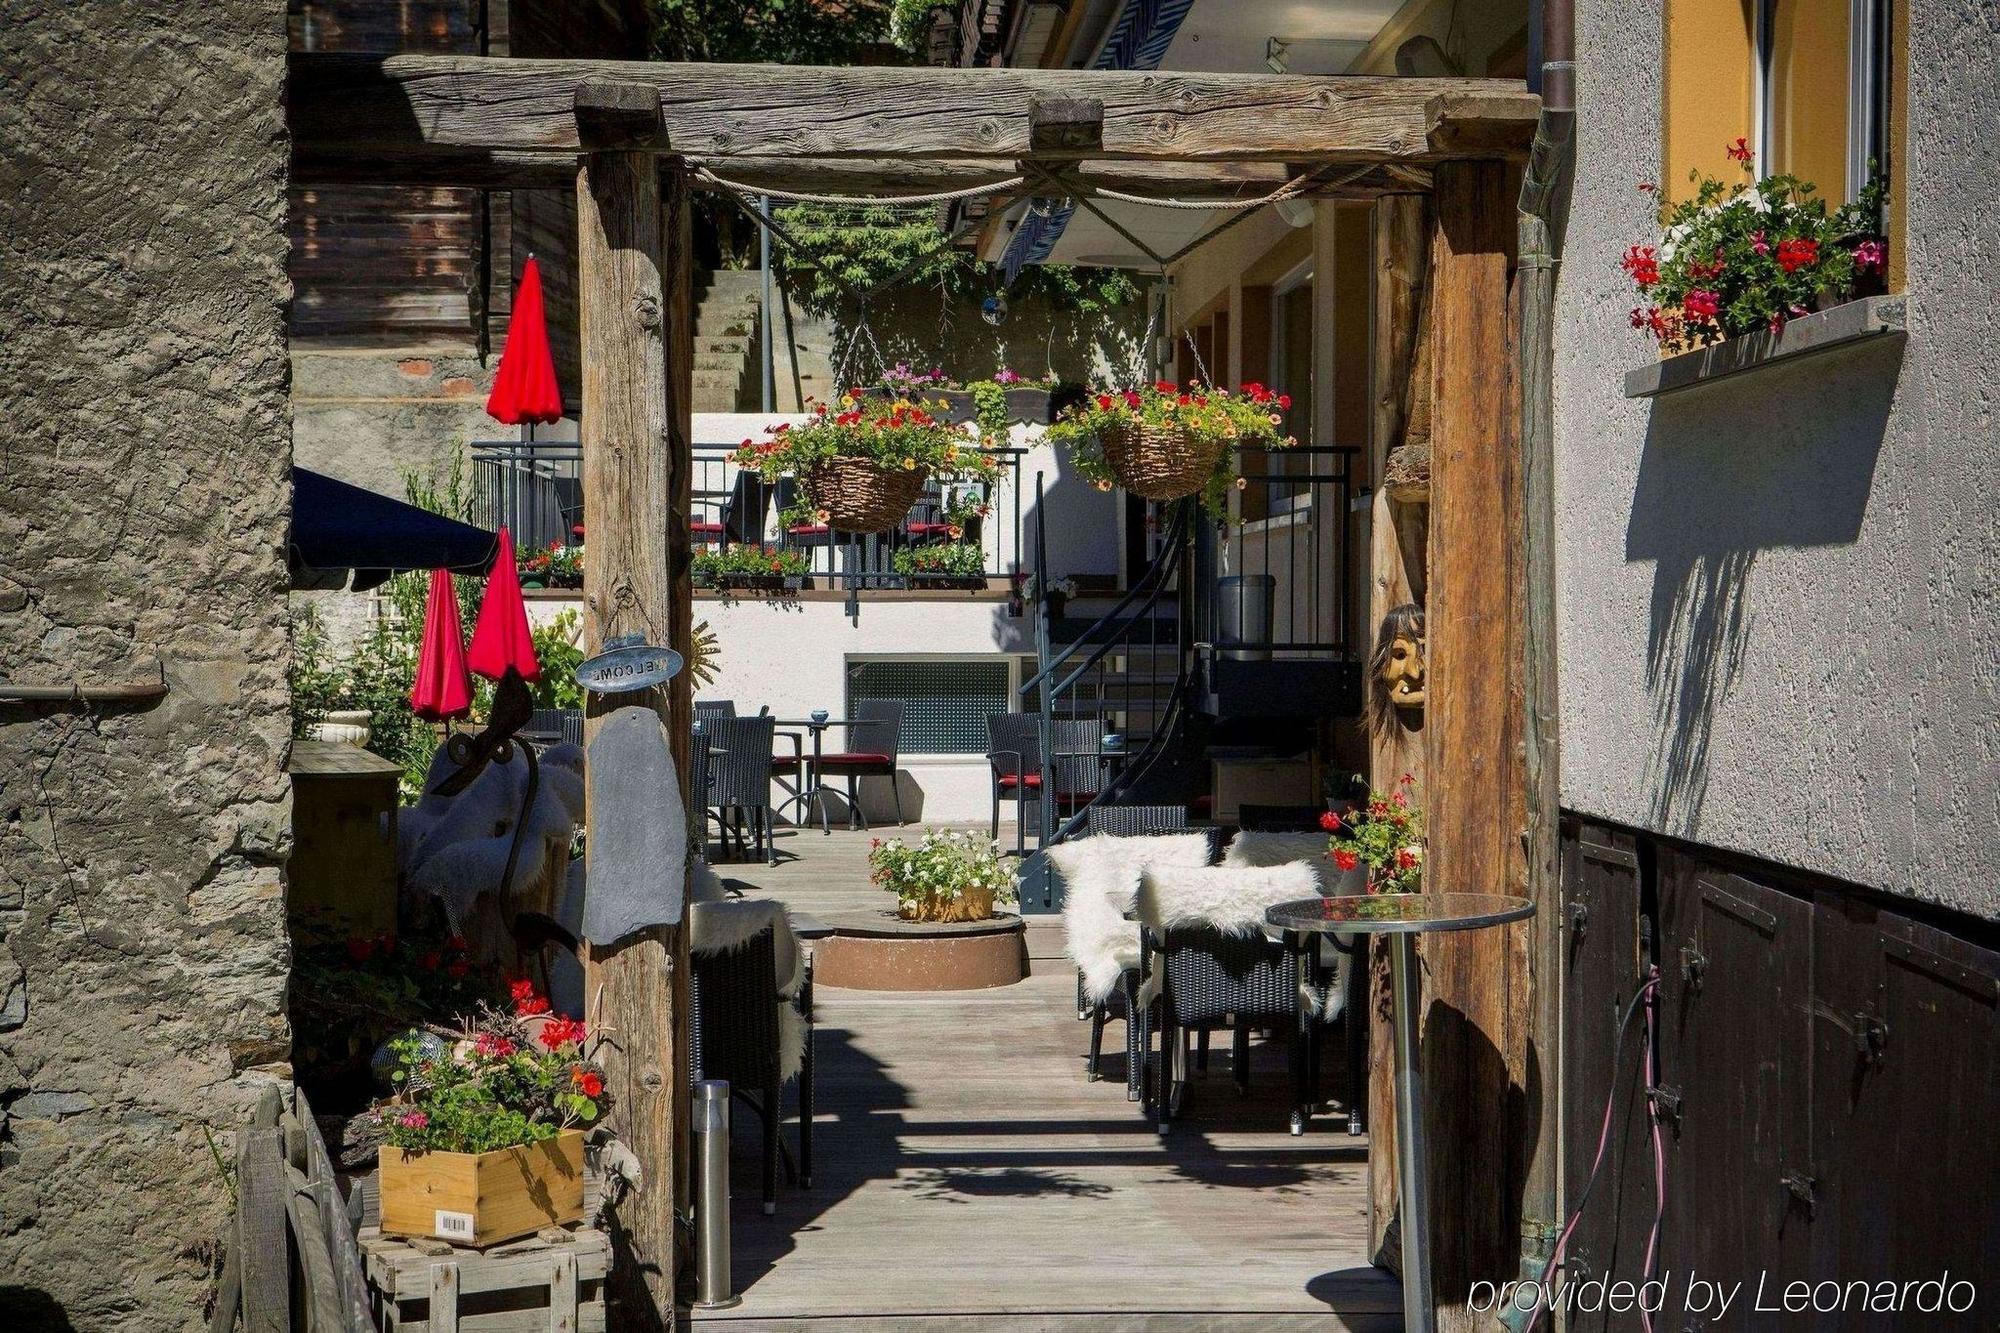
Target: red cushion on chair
<point x="1008" y="780"/>
<point x="926" y="529"/>
<point x="808" y="530"/>
<point x="856" y="760"/>
<point x="705" y="527"/>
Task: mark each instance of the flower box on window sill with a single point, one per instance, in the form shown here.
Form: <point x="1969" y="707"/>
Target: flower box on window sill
<point x="1843" y="325"/>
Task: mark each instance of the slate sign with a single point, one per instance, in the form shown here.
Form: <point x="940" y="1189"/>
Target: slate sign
<point x="628" y="663"/>
<point x="638" y="854"/>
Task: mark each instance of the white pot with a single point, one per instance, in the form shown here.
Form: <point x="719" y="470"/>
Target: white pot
<point x="343" y="726"/>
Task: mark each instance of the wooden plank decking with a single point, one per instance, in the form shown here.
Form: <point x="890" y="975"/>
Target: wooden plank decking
<point x="965" y="1171"/>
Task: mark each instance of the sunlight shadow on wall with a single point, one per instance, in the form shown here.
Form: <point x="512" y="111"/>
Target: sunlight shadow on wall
<point x="1782" y="458"/>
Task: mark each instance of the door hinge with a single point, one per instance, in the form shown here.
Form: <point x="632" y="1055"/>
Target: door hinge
<point x="1870" y="1035"/>
<point x="1579" y="918"/>
<point x="1693" y="963"/>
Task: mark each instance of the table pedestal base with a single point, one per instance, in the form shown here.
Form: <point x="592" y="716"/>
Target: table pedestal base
<point x="1413" y="1195"/>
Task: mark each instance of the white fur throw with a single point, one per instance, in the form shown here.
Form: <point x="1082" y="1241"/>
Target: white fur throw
<point x="721" y="927"/>
<point x="1100" y="880"/>
<point x="1230" y="899"/>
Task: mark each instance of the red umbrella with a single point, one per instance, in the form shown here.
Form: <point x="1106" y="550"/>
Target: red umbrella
<point x="442" y="689"/>
<point x="524" y="388"/>
<point x="500" y="638"/>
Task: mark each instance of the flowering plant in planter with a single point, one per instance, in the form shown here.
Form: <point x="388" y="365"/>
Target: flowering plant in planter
<point x="514" y="1077"/>
<point x="957" y="560"/>
<point x="949" y="876"/>
<point x="1164" y="440"/>
<point x="553" y="566"/>
<point x="1388" y="835"/>
<point x="748" y="564"/>
<point x="1737" y="259"/>
<point x="863" y="462"/>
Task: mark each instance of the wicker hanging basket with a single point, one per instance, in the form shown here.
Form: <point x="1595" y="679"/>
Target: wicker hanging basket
<point x="861" y="495"/>
<point x="1158" y="462"/>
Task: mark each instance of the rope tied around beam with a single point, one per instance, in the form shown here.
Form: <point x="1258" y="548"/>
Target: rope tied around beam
<point x="862" y="201"/>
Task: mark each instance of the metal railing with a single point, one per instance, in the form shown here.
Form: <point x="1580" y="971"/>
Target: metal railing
<point x="1293" y="556"/>
<point x="536" y="489"/>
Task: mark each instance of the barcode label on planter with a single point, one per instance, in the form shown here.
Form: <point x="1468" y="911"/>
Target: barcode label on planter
<point x="453" y="1226"/>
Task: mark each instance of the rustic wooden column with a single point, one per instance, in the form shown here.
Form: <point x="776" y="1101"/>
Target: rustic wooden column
<point x="632" y="303"/>
<point x="1476" y="983"/>
<point x="1401" y="254"/>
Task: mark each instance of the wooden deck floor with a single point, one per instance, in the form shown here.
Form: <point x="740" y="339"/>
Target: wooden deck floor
<point x="967" y="1173"/>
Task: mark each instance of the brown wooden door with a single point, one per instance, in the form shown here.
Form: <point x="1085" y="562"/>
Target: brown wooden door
<point x="1906" y="1112"/>
<point x="1736" y="1047"/>
<point x="1605" y="958"/>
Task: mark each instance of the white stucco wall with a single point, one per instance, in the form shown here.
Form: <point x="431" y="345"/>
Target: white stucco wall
<point x="1776" y="595"/>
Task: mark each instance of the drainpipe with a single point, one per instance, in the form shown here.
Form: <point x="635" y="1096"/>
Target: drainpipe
<point x="1548" y="166"/>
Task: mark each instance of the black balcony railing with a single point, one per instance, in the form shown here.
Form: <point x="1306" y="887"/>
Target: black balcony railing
<point x="536" y="489"/>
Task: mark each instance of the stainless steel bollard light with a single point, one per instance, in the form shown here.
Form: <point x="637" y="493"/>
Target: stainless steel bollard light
<point x="712" y="1283"/>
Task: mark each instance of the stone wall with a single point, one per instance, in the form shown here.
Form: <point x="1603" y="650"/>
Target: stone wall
<point x="142" y="530"/>
<point x="1775" y="593"/>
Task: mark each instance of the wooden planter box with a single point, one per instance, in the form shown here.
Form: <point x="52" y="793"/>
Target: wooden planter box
<point x="481" y="1199"/>
<point x="551" y="1283"/>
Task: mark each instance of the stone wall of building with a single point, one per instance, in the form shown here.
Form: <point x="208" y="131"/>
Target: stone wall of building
<point x="143" y="524"/>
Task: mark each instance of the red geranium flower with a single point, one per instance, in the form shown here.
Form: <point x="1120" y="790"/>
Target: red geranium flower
<point x="1104" y="401"/>
<point x="360" y="949"/>
<point x="493" y="1045"/>
<point x="1165" y="386"/>
<point x="560" y="1032"/>
<point x="1795" y="255"/>
<point x="1701" y="304"/>
<point x="1345" y="859"/>
<point x="527" y="1003"/>
<point x="589" y="1083"/>
<point x="1642" y="263"/>
<point x="1329" y="821"/>
<point x="1405" y="858"/>
<point x="1739" y="151"/>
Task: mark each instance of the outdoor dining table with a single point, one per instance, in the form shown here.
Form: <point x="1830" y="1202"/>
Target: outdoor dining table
<point x="814" y="793"/>
<point x="1401" y="916"/>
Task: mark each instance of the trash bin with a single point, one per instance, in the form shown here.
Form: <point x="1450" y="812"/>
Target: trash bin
<point x="1243" y="615"/>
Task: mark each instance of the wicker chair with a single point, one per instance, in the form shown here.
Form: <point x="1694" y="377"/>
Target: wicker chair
<point x="875" y="752"/>
<point x="1207" y="978"/>
<point x="739" y="512"/>
<point x="1126" y="821"/>
<point x="735" y="1036"/>
<point x="715" y="708"/>
<point x="739" y="776"/>
<point x="1014" y="757"/>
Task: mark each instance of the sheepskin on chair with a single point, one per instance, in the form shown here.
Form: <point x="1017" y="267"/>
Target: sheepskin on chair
<point x="454" y="848"/>
<point x="1100" y="880"/>
<point x="724" y="926"/>
<point x="1231" y="900"/>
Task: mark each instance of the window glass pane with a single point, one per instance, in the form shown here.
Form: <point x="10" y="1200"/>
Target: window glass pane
<point x="1808" y="94"/>
<point x="945" y="704"/>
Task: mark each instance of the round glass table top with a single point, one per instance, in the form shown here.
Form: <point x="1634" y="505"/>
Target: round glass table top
<point x="1398" y="913"/>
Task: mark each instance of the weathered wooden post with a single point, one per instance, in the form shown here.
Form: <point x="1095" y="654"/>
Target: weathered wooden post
<point x="1476" y="983"/>
<point x="1396" y="575"/>
<point x="633" y="302"/>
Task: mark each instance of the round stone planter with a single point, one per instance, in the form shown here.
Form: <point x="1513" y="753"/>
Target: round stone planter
<point x="343" y="726"/>
<point x="883" y="952"/>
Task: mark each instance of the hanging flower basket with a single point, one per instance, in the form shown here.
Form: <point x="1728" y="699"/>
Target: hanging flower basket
<point x="860" y="466"/>
<point x="1160" y="462"/>
<point x="1164" y="441"/>
<point x="862" y="495"/>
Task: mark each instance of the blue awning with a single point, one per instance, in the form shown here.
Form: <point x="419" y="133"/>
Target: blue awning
<point x="338" y="529"/>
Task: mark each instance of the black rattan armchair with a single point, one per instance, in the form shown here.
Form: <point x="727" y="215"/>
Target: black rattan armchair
<point x="1124" y="821"/>
<point x="736" y="1036"/>
<point x="1014" y="758"/>
<point x="739" y="776"/>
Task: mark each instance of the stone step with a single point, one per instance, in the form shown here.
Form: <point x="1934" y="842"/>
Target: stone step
<point x="732" y="344"/>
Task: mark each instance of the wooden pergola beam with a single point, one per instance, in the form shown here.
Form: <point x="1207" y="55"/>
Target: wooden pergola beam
<point x="412" y="105"/>
<point x="324" y="164"/>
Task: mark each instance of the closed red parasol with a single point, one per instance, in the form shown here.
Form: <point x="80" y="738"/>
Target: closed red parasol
<point x="500" y="638"/>
<point x="442" y="689"/>
<point x="524" y="388"/>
